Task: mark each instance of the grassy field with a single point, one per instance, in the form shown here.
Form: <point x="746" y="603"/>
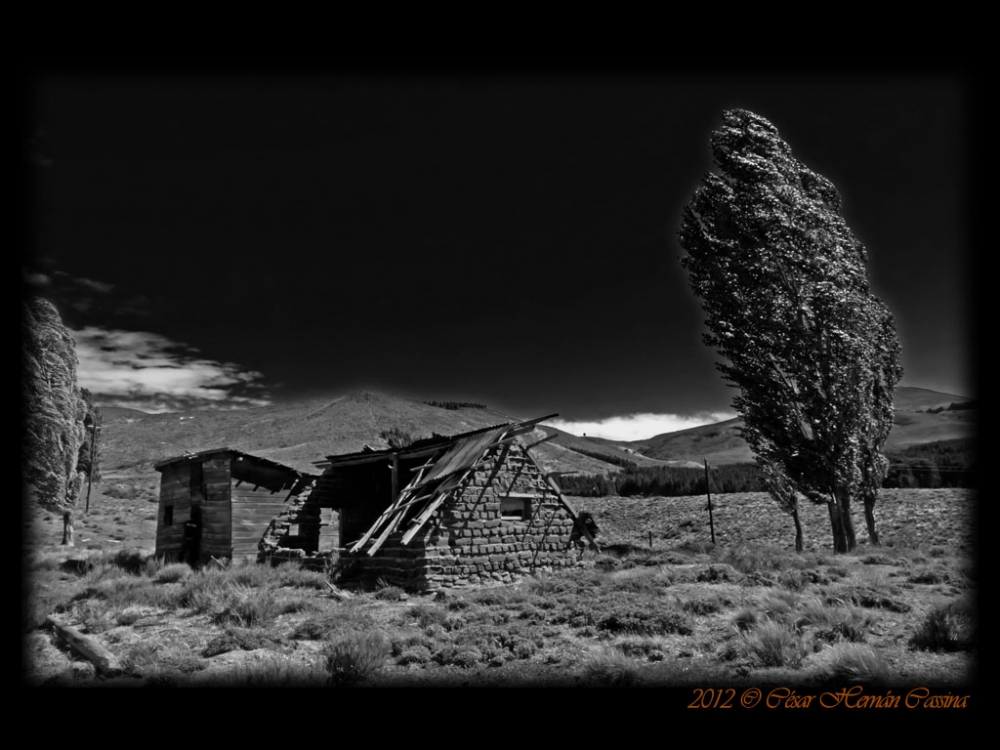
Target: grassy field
<point x="683" y="611"/>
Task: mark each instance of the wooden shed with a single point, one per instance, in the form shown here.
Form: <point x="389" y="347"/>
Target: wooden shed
<point x="223" y="503"/>
<point x="471" y="508"/>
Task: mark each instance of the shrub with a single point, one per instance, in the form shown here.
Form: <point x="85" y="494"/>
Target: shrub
<point x="246" y="606"/>
<point x="203" y="589"/>
<point x="718" y="573"/>
<point x="640" y="647"/>
<point x="610" y="668"/>
<point x="173" y="573"/>
<point x="417" y="654"/>
<point x="354" y="658"/>
<point x="428" y="614"/>
<point x="745" y="619"/>
<point x="464" y="656"/>
<point x="778" y="604"/>
<point x="390" y="594"/>
<point x="776" y="644"/>
<point x="855" y="663"/>
<point x="343" y="620"/>
<point x="292" y="574"/>
<point x="641" y="618"/>
<point x="837" y="621"/>
<point x="927" y="575"/>
<point x="706" y="605"/>
<point x="755" y="559"/>
<point x="876" y="559"/>
<point x="131" y="560"/>
<point x="272" y="670"/>
<point x="139" y="656"/>
<point x="793" y="580"/>
<point x="946" y="627"/>
<point x="235" y="638"/>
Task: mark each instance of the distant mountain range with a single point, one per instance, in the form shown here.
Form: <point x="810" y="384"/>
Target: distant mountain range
<point x="922" y="416"/>
<point x="297" y="434"/>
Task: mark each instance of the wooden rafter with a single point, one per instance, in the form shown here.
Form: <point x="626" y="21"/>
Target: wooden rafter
<point x="425" y="515"/>
<point x="393" y="507"/>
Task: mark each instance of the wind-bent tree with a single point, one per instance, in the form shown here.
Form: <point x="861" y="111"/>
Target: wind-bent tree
<point x="812" y="350"/>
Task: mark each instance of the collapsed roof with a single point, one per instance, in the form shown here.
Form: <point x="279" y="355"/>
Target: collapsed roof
<point x="449" y="461"/>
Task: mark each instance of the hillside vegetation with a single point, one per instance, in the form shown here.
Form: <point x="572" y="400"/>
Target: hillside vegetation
<point x="947" y="463"/>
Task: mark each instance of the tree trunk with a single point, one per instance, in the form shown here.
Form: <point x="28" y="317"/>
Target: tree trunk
<point x="845" y="518"/>
<point x="870" y="520"/>
<point x="67" y="529"/>
<point x="798" y="528"/>
<point x="837" y="525"/>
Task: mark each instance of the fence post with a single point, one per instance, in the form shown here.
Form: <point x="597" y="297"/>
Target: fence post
<point x="708" y="491"/>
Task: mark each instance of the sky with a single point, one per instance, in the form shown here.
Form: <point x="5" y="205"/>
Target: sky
<point x="222" y="239"/>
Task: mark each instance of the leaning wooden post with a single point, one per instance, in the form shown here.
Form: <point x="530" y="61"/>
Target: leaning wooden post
<point x="708" y="491"/>
<point x="395" y="475"/>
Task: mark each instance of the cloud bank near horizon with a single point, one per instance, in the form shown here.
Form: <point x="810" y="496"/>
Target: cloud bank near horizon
<point x="639" y="426"/>
<point x="149" y="372"/>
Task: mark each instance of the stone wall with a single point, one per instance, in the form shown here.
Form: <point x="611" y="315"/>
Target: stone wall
<point x="468" y="541"/>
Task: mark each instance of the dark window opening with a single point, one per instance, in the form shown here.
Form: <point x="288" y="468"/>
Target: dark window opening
<point x="515" y="508"/>
<point x="168" y="515"/>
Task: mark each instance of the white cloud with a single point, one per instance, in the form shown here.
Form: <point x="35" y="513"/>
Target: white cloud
<point x="97" y="286"/>
<point x="36" y="279"/>
<point x="150" y="372"/>
<point x="638" y="426"/>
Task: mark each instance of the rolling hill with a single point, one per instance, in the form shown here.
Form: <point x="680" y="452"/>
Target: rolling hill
<point x="297" y="434"/>
<point x="914" y="424"/>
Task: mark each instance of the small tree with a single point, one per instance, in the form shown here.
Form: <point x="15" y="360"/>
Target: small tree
<point x="785" y="290"/>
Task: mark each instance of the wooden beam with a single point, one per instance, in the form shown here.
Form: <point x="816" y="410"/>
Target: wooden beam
<point x="420" y="520"/>
<point x="573" y="513"/>
<point x="553" y="436"/>
<point x="383" y="517"/>
<point x="332" y="461"/>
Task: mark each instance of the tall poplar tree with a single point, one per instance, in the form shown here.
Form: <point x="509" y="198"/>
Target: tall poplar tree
<point x="784" y="287"/>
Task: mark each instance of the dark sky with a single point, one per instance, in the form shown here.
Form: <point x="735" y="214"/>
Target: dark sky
<point x="505" y="237"/>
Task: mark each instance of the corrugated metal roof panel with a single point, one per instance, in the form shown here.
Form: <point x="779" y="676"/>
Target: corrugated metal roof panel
<point x="221" y="451"/>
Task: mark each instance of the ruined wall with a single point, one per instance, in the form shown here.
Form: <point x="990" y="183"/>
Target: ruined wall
<point x="468" y="541"/>
<point x="303" y="531"/>
<point x="253" y="510"/>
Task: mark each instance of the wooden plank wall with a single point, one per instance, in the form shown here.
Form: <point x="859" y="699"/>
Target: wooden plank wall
<point x="216" y="532"/>
<point x="175" y="491"/>
<point x="329" y="530"/>
<point x="252" y="512"/>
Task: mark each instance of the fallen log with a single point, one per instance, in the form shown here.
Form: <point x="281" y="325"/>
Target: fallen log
<point x="105" y="662"/>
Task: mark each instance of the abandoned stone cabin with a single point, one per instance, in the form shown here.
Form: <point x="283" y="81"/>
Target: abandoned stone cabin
<point x="471" y="508"/>
<point x="466" y="509"/>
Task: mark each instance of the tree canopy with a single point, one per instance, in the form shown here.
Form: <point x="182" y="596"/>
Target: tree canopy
<point x="784" y="287"/>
